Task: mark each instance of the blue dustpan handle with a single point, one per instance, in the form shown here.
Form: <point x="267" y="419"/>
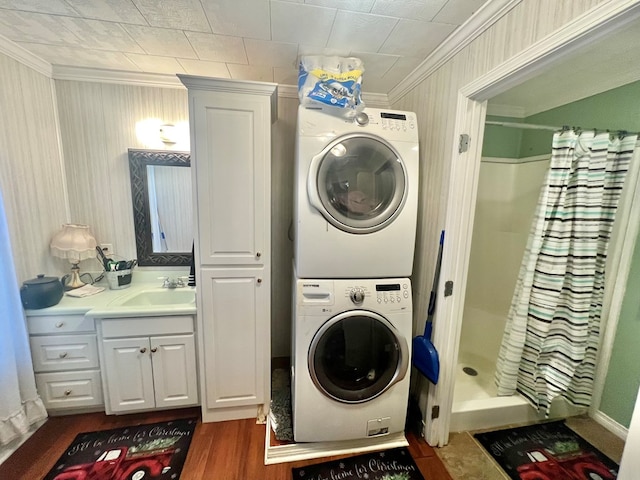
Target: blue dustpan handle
<point x="434" y="289"/>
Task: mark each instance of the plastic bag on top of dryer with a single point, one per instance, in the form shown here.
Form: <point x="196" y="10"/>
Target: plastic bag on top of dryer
<point x="333" y="81"/>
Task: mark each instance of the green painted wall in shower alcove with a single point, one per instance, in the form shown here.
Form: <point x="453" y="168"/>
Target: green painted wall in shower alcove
<point x="617" y="109"/>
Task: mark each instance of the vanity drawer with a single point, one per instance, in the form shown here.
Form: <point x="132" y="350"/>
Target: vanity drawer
<point x="64" y="352"/>
<point x="70" y="389"/>
<point x="60" y="324"/>
<point x="145" y="326"/>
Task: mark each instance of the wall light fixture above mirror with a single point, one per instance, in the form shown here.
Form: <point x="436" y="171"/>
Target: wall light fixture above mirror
<point x="162" y="206"/>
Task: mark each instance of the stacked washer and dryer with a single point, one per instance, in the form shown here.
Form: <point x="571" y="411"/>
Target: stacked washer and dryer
<point x="355" y="212"/>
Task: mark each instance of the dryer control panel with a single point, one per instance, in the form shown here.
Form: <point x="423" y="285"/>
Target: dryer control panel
<point x="392" y="125"/>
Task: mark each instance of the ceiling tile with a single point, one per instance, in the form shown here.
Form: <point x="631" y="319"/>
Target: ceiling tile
<point x="123" y="11"/>
<point x="81" y="57"/>
<point x="217" y="48"/>
<point x="246" y="72"/>
<point x="401" y="68"/>
<point x="414" y="38"/>
<point x="285" y="76"/>
<point x="375" y="64"/>
<point x="35" y="27"/>
<point x="179" y="14"/>
<point x="304" y="24"/>
<point x="161" y="41"/>
<point x="101" y="35"/>
<point x="423" y="10"/>
<point x="351" y="5"/>
<point x="247" y="18"/>
<point x="57" y="7"/>
<point x="327" y="52"/>
<point x="154" y="63"/>
<point x="360" y="31"/>
<point x="457" y="12"/>
<point x="277" y="54"/>
<point x="204" y="68"/>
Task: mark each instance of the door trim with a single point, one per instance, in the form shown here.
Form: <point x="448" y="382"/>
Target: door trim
<point x="470" y="114"/>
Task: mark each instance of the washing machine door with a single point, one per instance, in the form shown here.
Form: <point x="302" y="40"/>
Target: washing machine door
<point x="356" y="356"/>
<point x="358" y="183"/>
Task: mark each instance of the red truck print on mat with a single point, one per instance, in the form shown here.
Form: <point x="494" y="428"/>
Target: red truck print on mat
<point x="575" y="465"/>
<point x="121" y="464"/>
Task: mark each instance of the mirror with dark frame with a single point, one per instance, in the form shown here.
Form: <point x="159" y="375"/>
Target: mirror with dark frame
<point x="162" y="212"/>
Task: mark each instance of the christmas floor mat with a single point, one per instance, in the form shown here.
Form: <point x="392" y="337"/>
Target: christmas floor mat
<point x="549" y="451"/>
<point x="393" y="464"/>
<point x="153" y="451"/>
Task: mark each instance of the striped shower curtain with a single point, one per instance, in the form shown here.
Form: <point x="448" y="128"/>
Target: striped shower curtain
<point x="553" y="329"/>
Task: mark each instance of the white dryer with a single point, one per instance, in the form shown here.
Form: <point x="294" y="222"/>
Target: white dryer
<point x="356" y="194"/>
<point x="351" y="358"/>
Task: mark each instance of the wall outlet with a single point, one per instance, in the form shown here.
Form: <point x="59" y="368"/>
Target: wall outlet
<point x="107" y="248"/>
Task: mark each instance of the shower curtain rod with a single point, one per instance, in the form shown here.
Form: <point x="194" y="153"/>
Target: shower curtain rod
<point x="529" y="126"/>
<point x="533" y="126"/>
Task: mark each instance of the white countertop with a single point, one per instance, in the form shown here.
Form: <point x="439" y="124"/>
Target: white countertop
<point x="106" y="304"/>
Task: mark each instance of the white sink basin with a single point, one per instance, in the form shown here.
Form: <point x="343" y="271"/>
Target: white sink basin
<point x="150" y="298"/>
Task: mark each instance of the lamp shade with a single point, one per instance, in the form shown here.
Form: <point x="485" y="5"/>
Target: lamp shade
<point x="73" y="242"/>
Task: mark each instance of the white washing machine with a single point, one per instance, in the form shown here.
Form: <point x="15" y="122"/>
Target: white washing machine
<point x="351" y="358"/>
<point x="356" y="194"/>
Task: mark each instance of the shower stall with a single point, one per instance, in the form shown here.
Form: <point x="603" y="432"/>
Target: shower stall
<point x="506" y="200"/>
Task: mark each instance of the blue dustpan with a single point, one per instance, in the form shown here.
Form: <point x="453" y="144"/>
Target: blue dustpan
<point x="425" y="356"/>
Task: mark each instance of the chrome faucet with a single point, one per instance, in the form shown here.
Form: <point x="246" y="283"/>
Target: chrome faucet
<point x="172" y="282"/>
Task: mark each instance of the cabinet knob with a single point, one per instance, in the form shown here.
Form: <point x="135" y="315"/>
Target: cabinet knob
<point x="154" y="349"/>
<point x="67" y="393"/>
<point x="258" y="254"/>
<point x="59" y="324"/>
<point x="259" y="280"/>
<point x="63" y="355"/>
<point x="143" y="350"/>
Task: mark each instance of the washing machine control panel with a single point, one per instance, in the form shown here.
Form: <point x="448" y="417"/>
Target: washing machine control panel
<point x="392" y="292"/>
<point x="385" y="293"/>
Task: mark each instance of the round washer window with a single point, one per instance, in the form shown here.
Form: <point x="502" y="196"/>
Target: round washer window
<point x="361" y="182"/>
<point x="356" y="356"/>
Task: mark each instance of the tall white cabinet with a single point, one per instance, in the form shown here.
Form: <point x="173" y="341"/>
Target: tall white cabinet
<point x="230" y="125"/>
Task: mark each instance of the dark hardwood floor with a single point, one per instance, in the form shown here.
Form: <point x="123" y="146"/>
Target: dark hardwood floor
<point x="231" y="450"/>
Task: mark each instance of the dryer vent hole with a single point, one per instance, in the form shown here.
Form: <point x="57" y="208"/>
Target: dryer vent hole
<point x="472" y="372"/>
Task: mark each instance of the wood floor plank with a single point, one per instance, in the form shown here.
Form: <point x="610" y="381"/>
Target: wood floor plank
<point x="231" y="450"/>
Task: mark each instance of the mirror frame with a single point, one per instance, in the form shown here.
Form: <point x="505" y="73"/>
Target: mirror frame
<point x="138" y="161"/>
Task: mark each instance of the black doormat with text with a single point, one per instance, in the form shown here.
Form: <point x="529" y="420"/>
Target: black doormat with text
<point x="153" y="451"/>
<point x="547" y="451"/>
<point x="393" y="464"/>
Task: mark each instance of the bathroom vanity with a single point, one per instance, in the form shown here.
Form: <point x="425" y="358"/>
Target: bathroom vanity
<point x="120" y="351"/>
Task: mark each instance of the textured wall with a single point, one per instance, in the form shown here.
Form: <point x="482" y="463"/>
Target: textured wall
<point x="434" y="101"/>
<point x="31" y="175"/>
<point x="99" y="122"/>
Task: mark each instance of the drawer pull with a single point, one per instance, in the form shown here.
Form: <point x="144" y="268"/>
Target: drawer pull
<point x="154" y="349"/>
<point x="63" y="355"/>
<point x="67" y="393"/>
<point x="258" y="254"/>
<point x="59" y="324"/>
<point x="143" y="350"/>
<point x="259" y="280"/>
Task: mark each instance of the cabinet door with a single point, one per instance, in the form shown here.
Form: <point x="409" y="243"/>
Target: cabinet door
<point x="232" y="149"/>
<point x="174" y="370"/>
<point x="235" y="340"/>
<point x="128" y="374"/>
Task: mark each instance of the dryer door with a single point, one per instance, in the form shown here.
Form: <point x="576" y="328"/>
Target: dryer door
<point x="356" y="356"/>
<point x="358" y="183"/>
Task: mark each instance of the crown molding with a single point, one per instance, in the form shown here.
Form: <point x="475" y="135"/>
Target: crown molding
<point x="101" y="75"/>
<point x="15" y="51"/>
<point x="485" y="17"/>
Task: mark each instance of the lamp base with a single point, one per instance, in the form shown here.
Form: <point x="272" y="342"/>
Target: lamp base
<point x="74" y="279"/>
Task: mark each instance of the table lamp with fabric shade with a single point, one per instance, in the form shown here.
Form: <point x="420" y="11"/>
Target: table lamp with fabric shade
<point x="74" y="243"/>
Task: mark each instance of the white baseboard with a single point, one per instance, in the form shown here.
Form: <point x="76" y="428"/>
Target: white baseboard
<point x="610" y="424"/>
